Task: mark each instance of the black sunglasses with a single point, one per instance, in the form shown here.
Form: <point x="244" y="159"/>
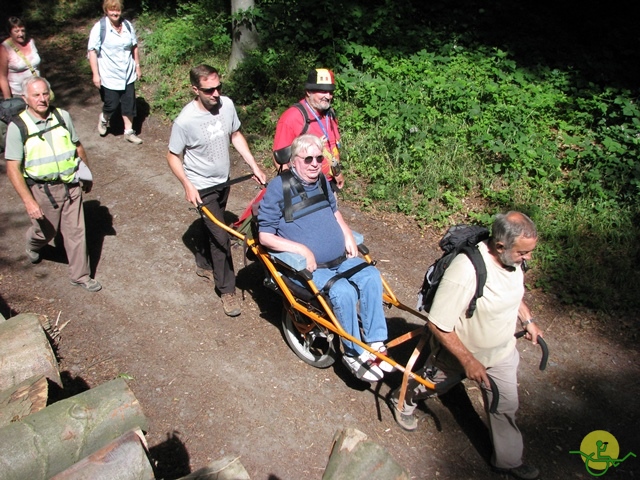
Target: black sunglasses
<point x="310" y="159"/>
<point x="209" y="91"/>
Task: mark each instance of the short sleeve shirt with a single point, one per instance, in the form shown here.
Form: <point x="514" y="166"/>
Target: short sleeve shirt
<point x="115" y="61"/>
<point x="203" y="138"/>
<point x="488" y="334"/>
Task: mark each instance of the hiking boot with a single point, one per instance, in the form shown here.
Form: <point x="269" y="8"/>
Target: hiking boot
<point x="131" y="137"/>
<point x="405" y="416"/>
<point x="524" y="472"/>
<point x="384" y="366"/>
<point x="33" y="256"/>
<point x="363" y="368"/>
<point x="90" y="285"/>
<point x="231" y="304"/>
<point x="102" y="125"/>
<point x="204" y="273"/>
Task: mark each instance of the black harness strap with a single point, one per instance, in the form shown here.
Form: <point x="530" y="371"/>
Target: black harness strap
<point x="221" y="186"/>
<point x="346" y="274"/>
<point x="333" y="263"/>
<point x="45" y="186"/>
<point x="290" y="182"/>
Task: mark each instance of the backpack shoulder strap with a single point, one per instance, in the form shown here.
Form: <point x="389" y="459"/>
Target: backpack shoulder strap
<point x="58" y="115"/>
<point x="103" y="30"/>
<point x="474" y="255"/>
<point x="127" y="24"/>
<point x="305" y="115"/>
<point x="22" y="127"/>
<point x="103" y="34"/>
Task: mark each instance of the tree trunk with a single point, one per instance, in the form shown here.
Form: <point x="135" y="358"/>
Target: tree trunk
<point x="244" y="35"/>
<point x="124" y="459"/>
<point x="24" y="399"/>
<point x="227" y="468"/>
<point x="25" y="351"/>
<point x="354" y="457"/>
<point x="50" y="441"/>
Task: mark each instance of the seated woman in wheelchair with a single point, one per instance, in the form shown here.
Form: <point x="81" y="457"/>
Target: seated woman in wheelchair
<point x="299" y="214"/>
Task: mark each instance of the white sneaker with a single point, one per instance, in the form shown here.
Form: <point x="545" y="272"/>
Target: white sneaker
<point x="384" y="366"/>
<point x="363" y="368"/>
<point x="131" y="136"/>
<point x="102" y="125"/>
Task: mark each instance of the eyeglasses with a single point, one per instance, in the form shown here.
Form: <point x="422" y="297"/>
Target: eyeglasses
<point x="309" y="159"/>
<point x="209" y="91"/>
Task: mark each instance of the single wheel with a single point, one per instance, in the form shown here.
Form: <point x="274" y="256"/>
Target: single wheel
<point x="307" y="340"/>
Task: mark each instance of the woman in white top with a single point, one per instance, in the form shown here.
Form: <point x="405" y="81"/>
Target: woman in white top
<point x="115" y="64"/>
<point x="19" y="59"/>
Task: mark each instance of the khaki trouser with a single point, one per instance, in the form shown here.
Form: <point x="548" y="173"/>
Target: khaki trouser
<point x="505" y="434"/>
<point x="68" y="219"/>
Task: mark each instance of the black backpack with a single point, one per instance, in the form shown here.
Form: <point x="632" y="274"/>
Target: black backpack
<point x="10" y="108"/>
<point x="458" y="239"/>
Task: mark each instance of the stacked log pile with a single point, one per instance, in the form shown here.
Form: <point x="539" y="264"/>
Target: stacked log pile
<point x="98" y="434"/>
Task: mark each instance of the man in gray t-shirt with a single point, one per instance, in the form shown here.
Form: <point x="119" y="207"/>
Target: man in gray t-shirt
<point x="199" y="157"/>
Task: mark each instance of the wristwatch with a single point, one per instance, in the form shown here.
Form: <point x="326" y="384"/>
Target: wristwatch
<point x="527" y="322"/>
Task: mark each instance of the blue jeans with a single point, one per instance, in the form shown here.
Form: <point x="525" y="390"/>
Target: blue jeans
<point x="344" y="298"/>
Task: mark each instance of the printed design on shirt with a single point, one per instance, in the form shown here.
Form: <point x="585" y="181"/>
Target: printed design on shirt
<point x="215" y="130"/>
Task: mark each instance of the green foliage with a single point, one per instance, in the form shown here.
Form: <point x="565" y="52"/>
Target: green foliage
<point x="196" y="33"/>
<point x="46" y="14"/>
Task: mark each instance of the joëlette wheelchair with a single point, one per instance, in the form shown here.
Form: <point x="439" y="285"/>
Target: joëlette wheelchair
<point x="309" y="325"/>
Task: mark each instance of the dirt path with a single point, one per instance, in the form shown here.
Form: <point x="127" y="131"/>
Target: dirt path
<point x="214" y="386"/>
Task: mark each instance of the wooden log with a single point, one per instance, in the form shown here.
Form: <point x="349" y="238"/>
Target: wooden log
<point x="354" y="457"/>
<point x="24" y="399"/>
<point x="50" y="441"/>
<point x="227" y="468"/>
<point x="25" y="351"/>
<point x="124" y="459"/>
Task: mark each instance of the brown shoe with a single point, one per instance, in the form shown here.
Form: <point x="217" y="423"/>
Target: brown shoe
<point x="204" y="273"/>
<point x="231" y="304"/>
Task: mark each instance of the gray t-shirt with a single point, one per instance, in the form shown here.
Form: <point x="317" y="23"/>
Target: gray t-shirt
<point x="203" y="139"/>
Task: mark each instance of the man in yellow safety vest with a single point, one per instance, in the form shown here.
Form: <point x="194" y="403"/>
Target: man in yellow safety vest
<point x="43" y="155"/>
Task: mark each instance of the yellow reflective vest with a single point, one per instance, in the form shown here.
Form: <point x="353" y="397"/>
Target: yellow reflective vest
<point x="49" y="161"/>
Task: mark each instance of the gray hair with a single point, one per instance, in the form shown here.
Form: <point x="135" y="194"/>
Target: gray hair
<point x="508" y="227"/>
<point x="27" y="82"/>
<point x="303" y="143"/>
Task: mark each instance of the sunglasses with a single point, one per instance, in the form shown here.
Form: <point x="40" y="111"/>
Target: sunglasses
<point x="309" y="159"/>
<point x="209" y="91"/>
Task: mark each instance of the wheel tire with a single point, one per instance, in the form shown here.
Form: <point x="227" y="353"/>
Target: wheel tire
<point x="313" y="348"/>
